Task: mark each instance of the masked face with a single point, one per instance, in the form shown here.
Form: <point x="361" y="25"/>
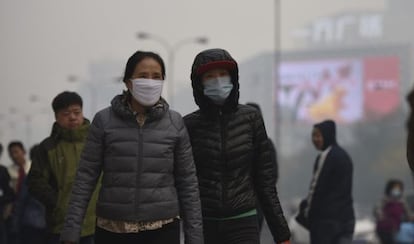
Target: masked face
<point x="146" y="91"/>
<point x="147" y="82"/>
<point x="217" y="85"/>
<point x="396" y="193"/>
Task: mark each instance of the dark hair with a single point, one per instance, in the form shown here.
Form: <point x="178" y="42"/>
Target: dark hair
<point x="138" y="57"/>
<point x="1" y="149"/>
<point x="15" y="144"/>
<point x="391" y="184"/>
<point x="65" y="99"/>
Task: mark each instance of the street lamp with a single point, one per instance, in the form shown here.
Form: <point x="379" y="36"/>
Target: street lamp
<point x="171" y="50"/>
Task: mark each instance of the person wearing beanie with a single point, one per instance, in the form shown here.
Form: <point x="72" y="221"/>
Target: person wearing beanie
<point x="328" y="211"/>
<point x="54" y="166"/>
<point x="232" y="156"/>
<point x="141" y="148"/>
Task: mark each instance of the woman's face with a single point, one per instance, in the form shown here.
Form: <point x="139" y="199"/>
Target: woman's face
<point x="148" y="68"/>
<point x="317" y="138"/>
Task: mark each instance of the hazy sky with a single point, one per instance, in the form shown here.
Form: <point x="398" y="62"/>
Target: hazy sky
<point x="45" y="41"/>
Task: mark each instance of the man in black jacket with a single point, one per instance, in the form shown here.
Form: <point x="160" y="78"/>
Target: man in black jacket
<point x="232" y="156"/>
<point x="328" y="209"/>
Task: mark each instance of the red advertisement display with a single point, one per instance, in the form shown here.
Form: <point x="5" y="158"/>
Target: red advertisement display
<point x="381" y="86"/>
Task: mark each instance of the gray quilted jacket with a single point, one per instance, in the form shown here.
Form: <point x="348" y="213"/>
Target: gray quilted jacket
<point x="148" y="172"/>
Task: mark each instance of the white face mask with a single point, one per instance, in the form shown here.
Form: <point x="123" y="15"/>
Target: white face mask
<point x="146" y="91"/>
<point x="396" y="193"/>
<point x="218" y="89"/>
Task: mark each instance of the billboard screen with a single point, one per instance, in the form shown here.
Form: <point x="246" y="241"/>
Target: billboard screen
<point x="344" y="89"/>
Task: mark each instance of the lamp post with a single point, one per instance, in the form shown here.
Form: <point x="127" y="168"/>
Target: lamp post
<point x="171" y="50"/>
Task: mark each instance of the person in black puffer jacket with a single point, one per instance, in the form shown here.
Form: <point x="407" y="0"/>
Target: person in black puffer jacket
<point x="232" y="156"/>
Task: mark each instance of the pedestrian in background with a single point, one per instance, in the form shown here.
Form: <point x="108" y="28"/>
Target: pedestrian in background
<point x="232" y="156"/>
<point x="54" y="166"/>
<point x="21" y="165"/>
<point x="18" y="171"/>
<point x="7" y="197"/>
<point x="149" y="180"/>
<point x="29" y="215"/>
<point x="328" y="211"/>
<point x="391" y="212"/>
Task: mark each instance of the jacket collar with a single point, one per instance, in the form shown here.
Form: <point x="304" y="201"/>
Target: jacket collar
<point x="72" y="135"/>
<point x="120" y="105"/>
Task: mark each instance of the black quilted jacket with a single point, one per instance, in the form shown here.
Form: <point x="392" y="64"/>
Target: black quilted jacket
<point x="232" y="155"/>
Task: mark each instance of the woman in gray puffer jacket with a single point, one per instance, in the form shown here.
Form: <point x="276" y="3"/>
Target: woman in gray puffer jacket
<point x="143" y="152"/>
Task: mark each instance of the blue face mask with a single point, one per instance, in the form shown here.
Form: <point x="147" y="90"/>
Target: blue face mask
<point x="218" y="89"/>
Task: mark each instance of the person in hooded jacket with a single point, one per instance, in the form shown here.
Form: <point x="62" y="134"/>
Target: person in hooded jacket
<point x="232" y="156"/>
<point x="328" y="209"/>
<point x="142" y="149"/>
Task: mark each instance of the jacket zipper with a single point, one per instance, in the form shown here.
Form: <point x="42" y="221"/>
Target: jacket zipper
<point x="139" y="168"/>
<point x="77" y="156"/>
<point x="223" y="158"/>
